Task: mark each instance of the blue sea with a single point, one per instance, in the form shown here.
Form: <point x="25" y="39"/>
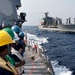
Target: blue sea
<point x="60" y="48"/>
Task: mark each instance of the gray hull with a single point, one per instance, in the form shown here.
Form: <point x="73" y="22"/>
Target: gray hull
<point x="60" y="28"/>
<point x="8" y="12"/>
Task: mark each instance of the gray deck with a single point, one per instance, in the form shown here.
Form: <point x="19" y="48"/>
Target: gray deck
<point x="34" y="67"/>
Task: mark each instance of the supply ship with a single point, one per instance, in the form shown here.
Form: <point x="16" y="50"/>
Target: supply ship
<point x="55" y="24"/>
<point x="36" y="63"/>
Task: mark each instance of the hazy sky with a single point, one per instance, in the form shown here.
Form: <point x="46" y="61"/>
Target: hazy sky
<point x="35" y="10"/>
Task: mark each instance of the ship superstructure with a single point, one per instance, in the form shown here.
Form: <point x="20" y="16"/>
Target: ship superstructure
<point x="8" y="13"/>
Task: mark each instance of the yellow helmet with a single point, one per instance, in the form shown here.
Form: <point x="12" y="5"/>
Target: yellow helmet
<point x="5" y="38"/>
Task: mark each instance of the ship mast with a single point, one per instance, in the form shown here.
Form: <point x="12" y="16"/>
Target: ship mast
<point x="46" y="14"/>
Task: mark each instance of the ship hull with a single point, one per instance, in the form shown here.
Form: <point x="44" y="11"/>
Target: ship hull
<point x="59" y="28"/>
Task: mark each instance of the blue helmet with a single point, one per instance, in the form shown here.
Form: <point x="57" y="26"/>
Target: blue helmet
<point x="16" y="28"/>
<point x="21" y="34"/>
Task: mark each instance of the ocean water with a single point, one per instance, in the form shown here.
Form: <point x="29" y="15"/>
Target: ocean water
<point x="59" y="47"/>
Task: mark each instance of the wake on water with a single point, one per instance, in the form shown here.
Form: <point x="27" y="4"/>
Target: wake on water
<point x="59" y="70"/>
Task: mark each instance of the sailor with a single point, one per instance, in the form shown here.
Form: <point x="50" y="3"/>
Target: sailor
<point x="34" y="47"/>
<point x="16" y="29"/>
<point x="20" y="46"/>
<point x="19" y="61"/>
<point x="15" y="57"/>
<point x="11" y="33"/>
<point x="6" y="68"/>
<point x="21" y="42"/>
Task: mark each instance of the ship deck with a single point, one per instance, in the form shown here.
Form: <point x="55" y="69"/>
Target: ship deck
<point x="36" y="64"/>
